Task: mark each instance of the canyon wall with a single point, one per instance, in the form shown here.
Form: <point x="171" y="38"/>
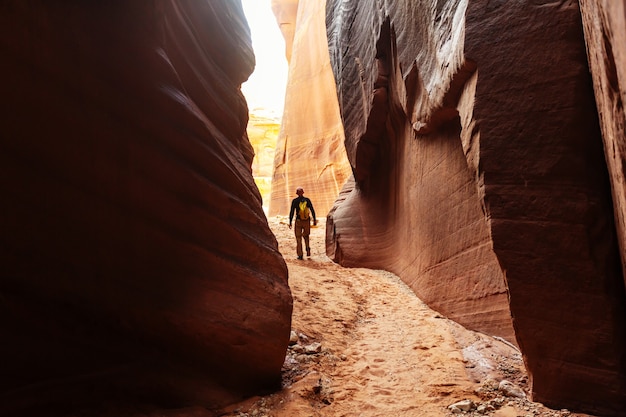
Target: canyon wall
<point x="137" y="263"/>
<point x="262" y="132"/>
<point x="416" y="208"/>
<point x="310" y="150"/>
<point x="605" y="34"/>
<point x="286" y="13"/>
<point x="480" y="179"/>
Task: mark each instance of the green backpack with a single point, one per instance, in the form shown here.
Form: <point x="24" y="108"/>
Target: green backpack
<point x="303" y="211"/>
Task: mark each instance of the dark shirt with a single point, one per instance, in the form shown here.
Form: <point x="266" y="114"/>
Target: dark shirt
<point x="294" y="207"/>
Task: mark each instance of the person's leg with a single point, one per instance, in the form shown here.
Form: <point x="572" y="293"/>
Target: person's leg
<point x="306" y="231"/>
<point x="298" y="232"/>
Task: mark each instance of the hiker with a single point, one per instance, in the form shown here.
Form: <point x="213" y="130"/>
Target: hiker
<point x="303" y="209"/>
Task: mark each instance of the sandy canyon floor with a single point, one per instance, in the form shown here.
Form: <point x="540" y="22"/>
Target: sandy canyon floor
<point x="367" y="346"/>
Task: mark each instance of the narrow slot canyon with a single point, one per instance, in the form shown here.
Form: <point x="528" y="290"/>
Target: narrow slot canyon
<point x="464" y="158"/>
<point x="364" y="345"/>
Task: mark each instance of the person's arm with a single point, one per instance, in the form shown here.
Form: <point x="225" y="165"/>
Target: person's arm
<point x="312" y="212"/>
<point x="291" y="212"/>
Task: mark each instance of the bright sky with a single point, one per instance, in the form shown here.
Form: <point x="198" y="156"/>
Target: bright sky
<point x="266" y="86"/>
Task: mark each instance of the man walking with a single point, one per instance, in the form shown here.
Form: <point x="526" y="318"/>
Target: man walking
<point x="303" y="209"/>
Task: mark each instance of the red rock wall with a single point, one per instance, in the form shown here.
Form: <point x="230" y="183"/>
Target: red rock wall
<point x="137" y="263"/>
<point x="309" y="150"/>
<point x="605" y="34"/>
<point x="480" y="180"/>
<point x="548" y="198"/>
<point x="416" y="209"/>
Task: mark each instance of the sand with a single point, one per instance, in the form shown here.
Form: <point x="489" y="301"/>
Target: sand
<point x="367" y="346"/>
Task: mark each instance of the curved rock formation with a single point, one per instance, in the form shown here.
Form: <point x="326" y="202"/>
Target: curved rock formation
<point x="137" y="263"/>
<point x="416" y="209"/>
<point x="480" y="180"/>
<point x="309" y="151"/>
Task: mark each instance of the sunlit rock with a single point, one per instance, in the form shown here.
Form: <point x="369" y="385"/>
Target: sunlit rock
<point x="479" y="178"/>
<point x="263" y="132"/>
<point x="286" y="12"/>
<point x="310" y="150"/>
<point x="137" y="263"/>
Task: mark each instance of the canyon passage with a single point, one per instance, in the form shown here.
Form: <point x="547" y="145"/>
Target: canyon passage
<point x="368" y="346"/>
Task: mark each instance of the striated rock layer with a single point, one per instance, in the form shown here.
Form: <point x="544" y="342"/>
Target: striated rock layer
<point x="137" y="263"/>
<point x="479" y="178"/>
<point x="309" y="150"/>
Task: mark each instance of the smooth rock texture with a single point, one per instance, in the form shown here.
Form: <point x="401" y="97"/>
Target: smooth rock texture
<point x="416" y="210"/>
<point x="548" y="199"/>
<point x="310" y="149"/>
<point x="480" y="180"/>
<point x="286" y="12"/>
<point x="604" y="22"/>
<point x="137" y="264"/>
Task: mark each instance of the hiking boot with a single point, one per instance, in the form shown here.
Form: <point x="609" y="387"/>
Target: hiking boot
<point x="300" y="257"/>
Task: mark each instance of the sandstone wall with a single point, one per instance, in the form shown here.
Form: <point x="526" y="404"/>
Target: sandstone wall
<point x="416" y="208"/>
<point x="137" y="263"/>
<point x="547" y="194"/>
<point x="262" y="132"/>
<point x="605" y="34"/>
<point x="286" y="12"/>
<point x="309" y="151"/>
<point x="480" y="179"/>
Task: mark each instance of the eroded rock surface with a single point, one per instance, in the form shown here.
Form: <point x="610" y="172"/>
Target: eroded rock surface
<point x="310" y="150"/>
<point x="137" y="263"/>
<point x="480" y="180"/>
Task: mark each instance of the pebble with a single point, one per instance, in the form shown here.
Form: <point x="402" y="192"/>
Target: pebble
<point x="507" y="411"/>
<point x="464" y="405"/>
<point x="298" y="349"/>
<point x="485" y="408"/>
<point x="511" y="390"/>
<point x="315" y="347"/>
<point x="293" y="338"/>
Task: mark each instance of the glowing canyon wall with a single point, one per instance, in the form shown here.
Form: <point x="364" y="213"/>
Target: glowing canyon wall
<point x="310" y="150"/>
<point x="137" y="263"/>
<point x="480" y="177"/>
<point x="262" y="132"/>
